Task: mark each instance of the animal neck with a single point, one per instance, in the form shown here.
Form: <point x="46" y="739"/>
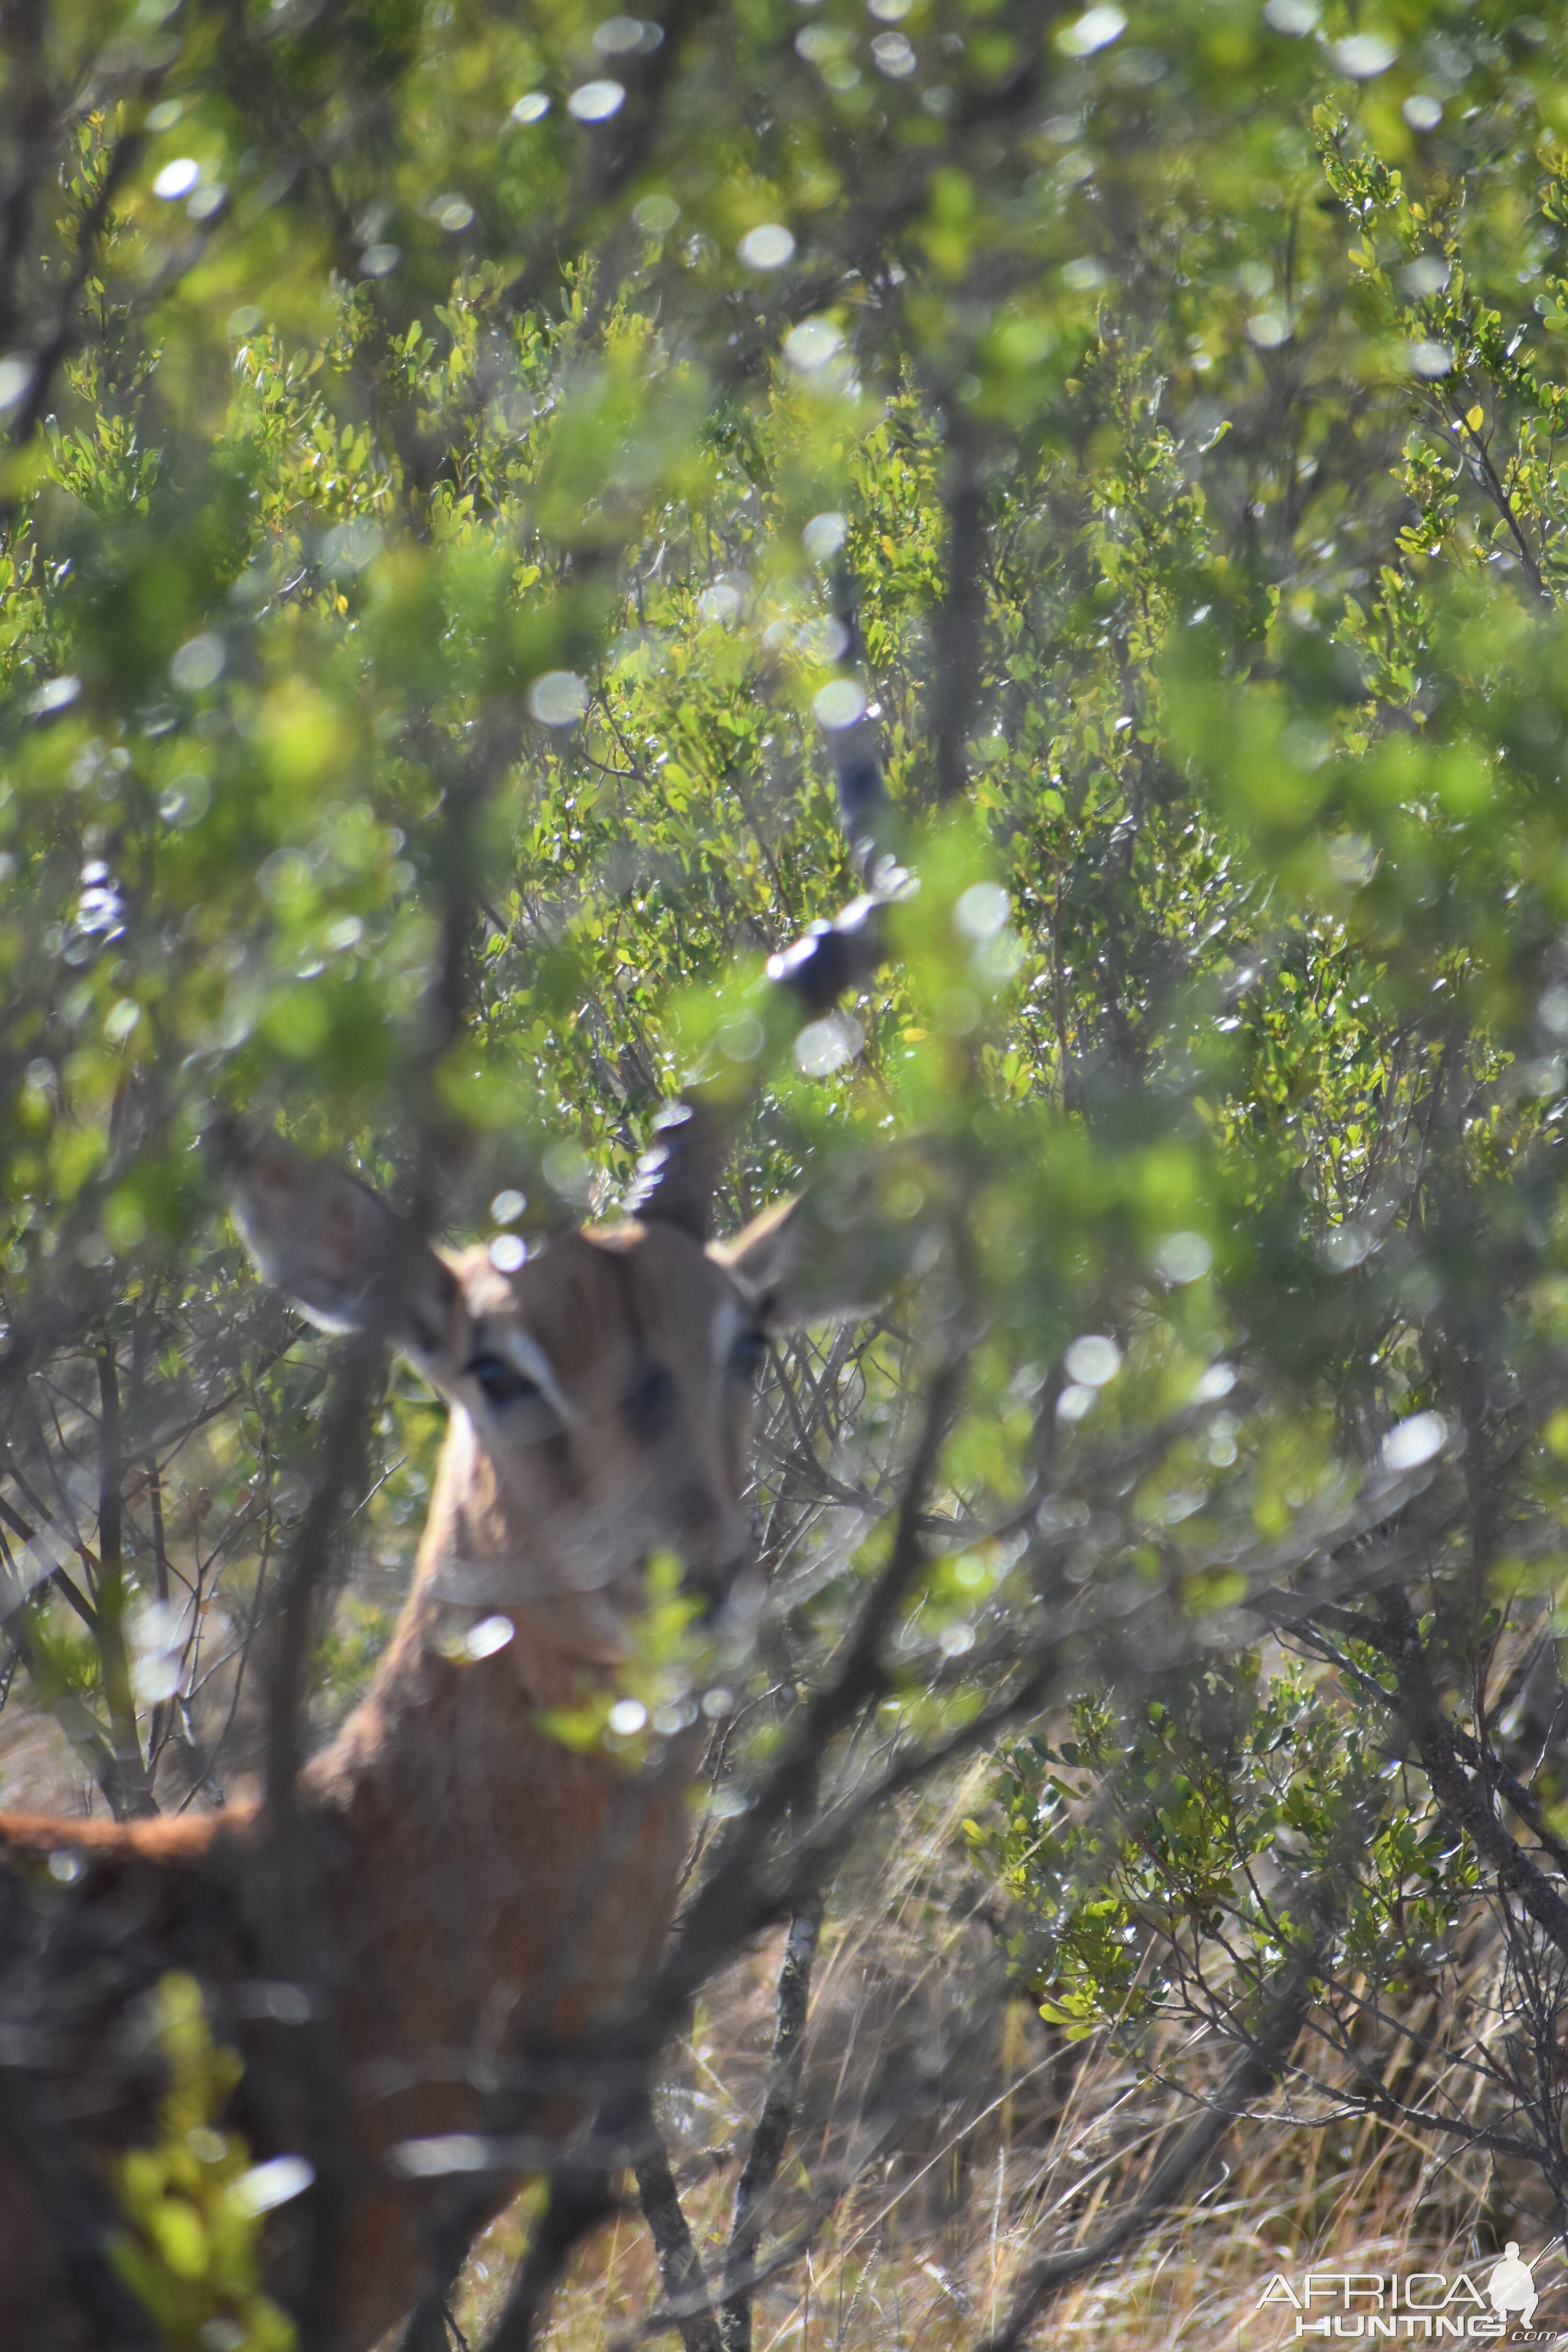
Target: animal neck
<point x="490" y="1893"/>
<point x="474" y="1557"/>
<point x="509" y="1881"/>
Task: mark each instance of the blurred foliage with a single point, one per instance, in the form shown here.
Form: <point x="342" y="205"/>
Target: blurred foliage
<point x="192" y="2251"/>
<point x="453" y="453"/>
<point x="1172" y="1894"/>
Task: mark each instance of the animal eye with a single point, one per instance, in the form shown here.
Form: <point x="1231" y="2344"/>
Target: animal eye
<point x="502" y="1382"/>
<point x="748" y="1354"/>
<point x="651" y="1407"/>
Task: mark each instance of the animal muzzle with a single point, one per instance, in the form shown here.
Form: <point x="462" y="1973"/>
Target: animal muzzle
<point x="712" y="1586"/>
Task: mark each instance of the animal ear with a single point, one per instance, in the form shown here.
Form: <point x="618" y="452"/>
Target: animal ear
<point x="329" y="1242"/>
<point x="795" y="1266"/>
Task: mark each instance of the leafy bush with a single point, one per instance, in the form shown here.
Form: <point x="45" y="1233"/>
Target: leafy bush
<point x="192" y="2253"/>
<point x="470" y="473"/>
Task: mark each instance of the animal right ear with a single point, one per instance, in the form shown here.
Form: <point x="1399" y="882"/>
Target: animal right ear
<point x="328" y="1241"/>
<point x="835" y="1253"/>
<point x="797" y="1268"/>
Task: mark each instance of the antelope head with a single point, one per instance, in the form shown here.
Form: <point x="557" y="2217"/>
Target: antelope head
<point x="601" y="1390"/>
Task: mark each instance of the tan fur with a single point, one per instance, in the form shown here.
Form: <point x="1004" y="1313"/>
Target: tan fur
<point x="482" y="1883"/>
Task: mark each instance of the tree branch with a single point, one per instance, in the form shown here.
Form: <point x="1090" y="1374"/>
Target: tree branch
<point x="768" y="2141"/>
<point x="680" y="2264"/>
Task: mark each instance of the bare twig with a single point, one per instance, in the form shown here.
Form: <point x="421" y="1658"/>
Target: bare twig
<point x="680" y="2264"/>
<point x="766" y="2151"/>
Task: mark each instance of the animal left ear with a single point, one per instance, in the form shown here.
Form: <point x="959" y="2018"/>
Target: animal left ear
<point x="795" y="1268"/>
<point x="332" y="1245"/>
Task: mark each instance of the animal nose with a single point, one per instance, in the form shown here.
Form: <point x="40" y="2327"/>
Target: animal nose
<point x="707" y="1529"/>
<point x="705" y="1523"/>
<point x="652" y="1407"/>
<point x="713" y="1586"/>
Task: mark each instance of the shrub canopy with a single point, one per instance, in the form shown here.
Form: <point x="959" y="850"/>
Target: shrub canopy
<point x="469" y="472"/>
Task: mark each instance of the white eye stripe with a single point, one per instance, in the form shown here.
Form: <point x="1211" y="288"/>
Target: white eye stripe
<point x="739" y="1345"/>
<point x="522" y="1350"/>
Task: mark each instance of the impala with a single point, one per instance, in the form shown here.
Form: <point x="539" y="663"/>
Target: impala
<point x="482" y="1887"/>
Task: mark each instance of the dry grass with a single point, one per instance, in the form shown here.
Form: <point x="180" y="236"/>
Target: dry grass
<point x="954" y="2140"/>
<point x="38" y="1773"/>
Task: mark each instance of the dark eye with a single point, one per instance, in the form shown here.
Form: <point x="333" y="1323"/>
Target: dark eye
<point x="748" y="1354"/>
<point x="502" y="1382"/>
<point x="651" y="1406"/>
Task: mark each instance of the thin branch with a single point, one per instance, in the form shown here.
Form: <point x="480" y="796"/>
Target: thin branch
<point x="680" y="2264"/>
<point x="956" y="624"/>
<point x="1467" y="1807"/>
<point x="579" y="2198"/>
<point x="768" y="2141"/>
<point x="134" y="1793"/>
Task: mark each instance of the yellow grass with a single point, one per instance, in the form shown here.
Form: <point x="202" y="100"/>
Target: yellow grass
<point x="1028" y="2152"/>
<point x="1031" y="2148"/>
